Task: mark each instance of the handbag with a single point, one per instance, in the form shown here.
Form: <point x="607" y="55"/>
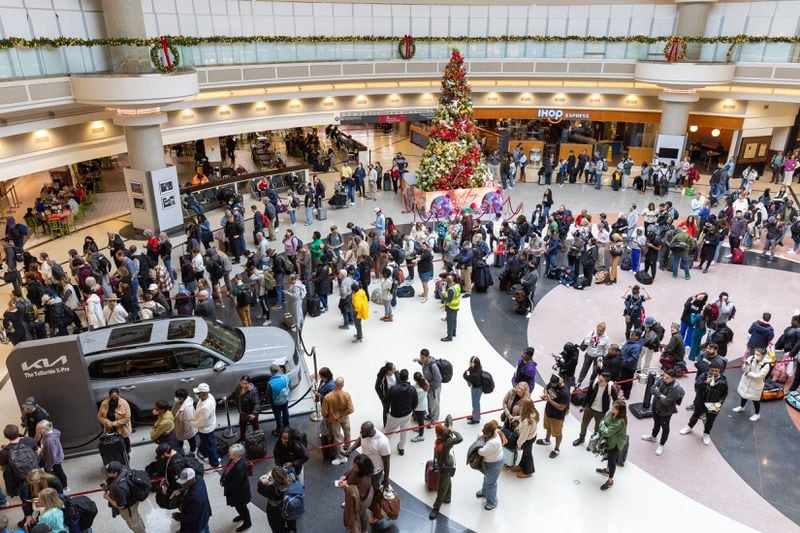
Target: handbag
<point x="9" y="276"/>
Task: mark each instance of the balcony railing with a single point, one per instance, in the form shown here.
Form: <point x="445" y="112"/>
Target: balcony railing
<point x="44" y="61"/>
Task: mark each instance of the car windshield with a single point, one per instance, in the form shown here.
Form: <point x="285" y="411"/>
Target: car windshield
<point x="223" y="340"/>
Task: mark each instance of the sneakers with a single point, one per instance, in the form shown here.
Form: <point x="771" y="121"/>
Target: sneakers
<point x="738" y="409"/>
<point x="528" y="315"/>
<point x="686" y="430"/>
<point x="753" y="418"/>
<point x="706" y="439"/>
<point x="660" y="450"/>
<point x="579" y="441"/>
<point x="418" y="438"/>
<point x="339" y="461"/>
<point x="648" y="438"/>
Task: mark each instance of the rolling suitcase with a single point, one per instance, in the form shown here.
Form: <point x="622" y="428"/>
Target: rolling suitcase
<point x="737" y="256"/>
<point x="431" y="475"/>
<point x="255" y="445"/>
<point x="511" y="457"/>
<point x="112" y="448"/>
<point x="313" y="306"/>
<point x="387" y="182"/>
<point x="322" y="213"/>
<point x="328" y="451"/>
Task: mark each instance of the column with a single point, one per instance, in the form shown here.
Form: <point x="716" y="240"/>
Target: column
<point x="152" y="186"/>
<point x="692" y="19"/>
<point x="675" y="107"/>
<point x="124" y="18"/>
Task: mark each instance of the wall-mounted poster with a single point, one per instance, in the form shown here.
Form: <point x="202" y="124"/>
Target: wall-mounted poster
<point x="762" y="150"/>
<point x="168" y="201"/>
<point x="136" y="187"/>
<point x="165" y="186"/>
<point x="750" y="150"/>
<point x="138" y="203"/>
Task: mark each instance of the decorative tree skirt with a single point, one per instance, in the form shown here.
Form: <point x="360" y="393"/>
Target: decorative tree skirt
<point x="443" y="204"/>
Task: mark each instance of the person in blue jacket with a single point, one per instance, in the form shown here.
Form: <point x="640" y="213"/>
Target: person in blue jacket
<point x="630" y="353"/>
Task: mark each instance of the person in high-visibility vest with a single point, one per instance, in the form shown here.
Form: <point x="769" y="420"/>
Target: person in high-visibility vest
<point x="451" y="300"/>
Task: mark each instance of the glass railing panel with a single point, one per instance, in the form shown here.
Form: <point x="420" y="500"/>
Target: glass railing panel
<point x="778" y="53"/>
<point x="554" y="50"/>
<point x="7" y="68"/>
<point x="285" y="52"/>
<point x="30" y="64"/>
<point x="616" y="51"/>
<point x="266" y="52"/>
<point x="534" y="49"/>
<point x="575" y="50"/>
<point x="515" y="50"/>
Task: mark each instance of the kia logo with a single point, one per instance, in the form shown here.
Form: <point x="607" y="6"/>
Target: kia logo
<point x="41" y="364"/>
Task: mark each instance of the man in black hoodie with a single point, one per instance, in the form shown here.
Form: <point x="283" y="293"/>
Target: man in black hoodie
<point x="711" y="389"/>
<point x="667" y="395"/>
<point x="402" y="403"/>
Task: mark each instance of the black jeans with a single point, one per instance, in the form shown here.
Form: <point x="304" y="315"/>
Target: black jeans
<point x="587" y="362"/>
<point x="244" y="513"/>
<point x="699" y="410"/>
<point x="192" y="444"/>
<point x="661" y="423"/>
<point x="627" y="375"/>
<point x="58" y="470"/>
<point x="419" y="418"/>
<point x="612" y="462"/>
<point x="650" y="264"/>
<point x="756" y="403"/>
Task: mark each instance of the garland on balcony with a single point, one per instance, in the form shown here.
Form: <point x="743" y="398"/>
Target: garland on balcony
<point x="171" y="56"/>
<point x="177" y="40"/>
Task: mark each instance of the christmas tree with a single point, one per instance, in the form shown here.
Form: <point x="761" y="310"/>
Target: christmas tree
<point x="453" y="158"/>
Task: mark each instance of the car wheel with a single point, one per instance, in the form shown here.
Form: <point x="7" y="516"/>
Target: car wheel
<point x="264" y="401"/>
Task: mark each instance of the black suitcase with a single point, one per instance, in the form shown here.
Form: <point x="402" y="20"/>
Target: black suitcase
<point x="222" y="446"/>
<point x="387" y="182"/>
<point x="328" y="451"/>
<point x="499" y="260"/>
<point x="255" y="445"/>
<point x="112" y="448"/>
<point x="322" y="213"/>
<point x="313" y="306"/>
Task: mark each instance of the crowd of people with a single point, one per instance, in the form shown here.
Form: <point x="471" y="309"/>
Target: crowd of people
<point x="122" y="283"/>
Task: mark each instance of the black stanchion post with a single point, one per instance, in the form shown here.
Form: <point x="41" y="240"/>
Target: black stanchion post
<point x="229" y="433"/>
<point x="645" y="409"/>
<point x="316" y="416"/>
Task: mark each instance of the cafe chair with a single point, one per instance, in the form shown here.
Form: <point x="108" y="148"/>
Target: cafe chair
<point x="71" y="223"/>
<point x="56" y="229"/>
<point x="34" y="224"/>
<point x="89" y="201"/>
<point x="80" y="215"/>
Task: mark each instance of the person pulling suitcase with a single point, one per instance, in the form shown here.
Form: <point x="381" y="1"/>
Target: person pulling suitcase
<point x="444" y="466"/>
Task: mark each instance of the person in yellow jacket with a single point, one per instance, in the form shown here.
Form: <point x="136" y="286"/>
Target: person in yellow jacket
<point x="451" y="301"/>
<point x="360" y="308"/>
<point x="163" y="429"/>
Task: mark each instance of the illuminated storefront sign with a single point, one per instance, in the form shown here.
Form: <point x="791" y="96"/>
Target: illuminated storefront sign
<point x="554" y="116"/>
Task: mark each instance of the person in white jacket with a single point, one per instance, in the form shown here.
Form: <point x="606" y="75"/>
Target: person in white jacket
<point x="183" y="412"/>
<point x="526" y="435"/>
<point x="94" y="309"/>
<point x="205" y="422"/>
<point x="754" y="372"/>
<point x="113" y="312"/>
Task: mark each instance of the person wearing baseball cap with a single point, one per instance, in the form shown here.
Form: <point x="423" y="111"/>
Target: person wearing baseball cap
<point x="195" y="509"/>
<point x="205" y="421"/>
<point x="119" y="495"/>
<point x="380" y="223"/>
<point x="32" y="414"/>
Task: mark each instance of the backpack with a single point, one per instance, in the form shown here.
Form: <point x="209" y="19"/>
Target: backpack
<point x="445" y="369"/>
<point x="417" y="248"/>
<point x="18" y="254"/>
<point x="644" y="277"/>
<point x="216" y="268"/>
<point x="23" y="229"/>
<point x="487" y="383"/>
<point x="293" y="505"/>
<point x="158" y="310"/>
<point x="22" y="459"/>
<point x="100" y="263"/>
<point x="605" y="165"/>
<point x="244" y="296"/>
<point x="793" y="399"/>
<point x="139" y="482"/>
<point x="79" y="511"/>
<point x="29" y="311"/>
<point x="298" y="243"/>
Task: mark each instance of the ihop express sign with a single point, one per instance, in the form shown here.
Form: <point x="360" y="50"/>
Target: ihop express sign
<point x="554" y="116"/>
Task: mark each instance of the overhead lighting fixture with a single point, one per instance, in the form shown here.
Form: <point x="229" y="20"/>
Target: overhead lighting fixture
<point x="361" y="100"/>
<point x="41" y="136"/>
<point x="728" y="106"/>
<point x="188" y="114"/>
<point x="715" y="132"/>
<point x="594" y="99"/>
<point x="632" y="101"/>
<point x="224" y="111"/>
<point x="693" y="128"/>
<point x="328" y="102"/>
<point x="492" y="97"/>
<point x="427" y="97"/>
<point x="294" y="104"/>
<point x="526" y="97"/>
<point x="560" y="98"/>
<point x="99" y="129"/>
<point x="394" y="99"/>
<point x="261" y="106"/>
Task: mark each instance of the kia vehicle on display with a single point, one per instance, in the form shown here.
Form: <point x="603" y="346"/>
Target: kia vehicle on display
<point x="147" y="361"/>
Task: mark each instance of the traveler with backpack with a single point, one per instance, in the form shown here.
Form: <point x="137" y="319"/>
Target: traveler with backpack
<point x="651" y="342"/>
<point x="17" y="458"/>
<point x="667" y="395"/>
<point x="634" y="307"/>
<point x="236" y="486"/>
<point x="479" y="382"/>
<point x="183" y="413"/>
<point x="274" y="487"/>
<point x="53" y="513"/>
<point x="243" y="295"/>
<point x="596" y="403"/>
<point x="50" y="452"/>
<point x="432" y="372"/>
<point x="279" y="387"/>
<point x="195" y="506"/>
<point x="124" y="495"/>
<point x="387" y="288"/>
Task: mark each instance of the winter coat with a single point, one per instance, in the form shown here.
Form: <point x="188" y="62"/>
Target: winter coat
<point x="292" y="452"/>
<point x="705" y="393"/>
<point x="235" y="483"/>
<point x="789" y="341"/>
<point x="53" y="453"/>
<point x="246" y="403"/>
<point x="122" y="416"/>
<point x="525" y="372"/>
<point x="183" y="418"/>
<point x="361" y="304"/>
<point x="630" y="352"/>
<point x="675" y="348"/>
<point x="609" y="395"/>
<point x="753" y="374"/>
<point x="761" y="333"/>
<point x="665" y="397"/>
<point x="613" y="365"/>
